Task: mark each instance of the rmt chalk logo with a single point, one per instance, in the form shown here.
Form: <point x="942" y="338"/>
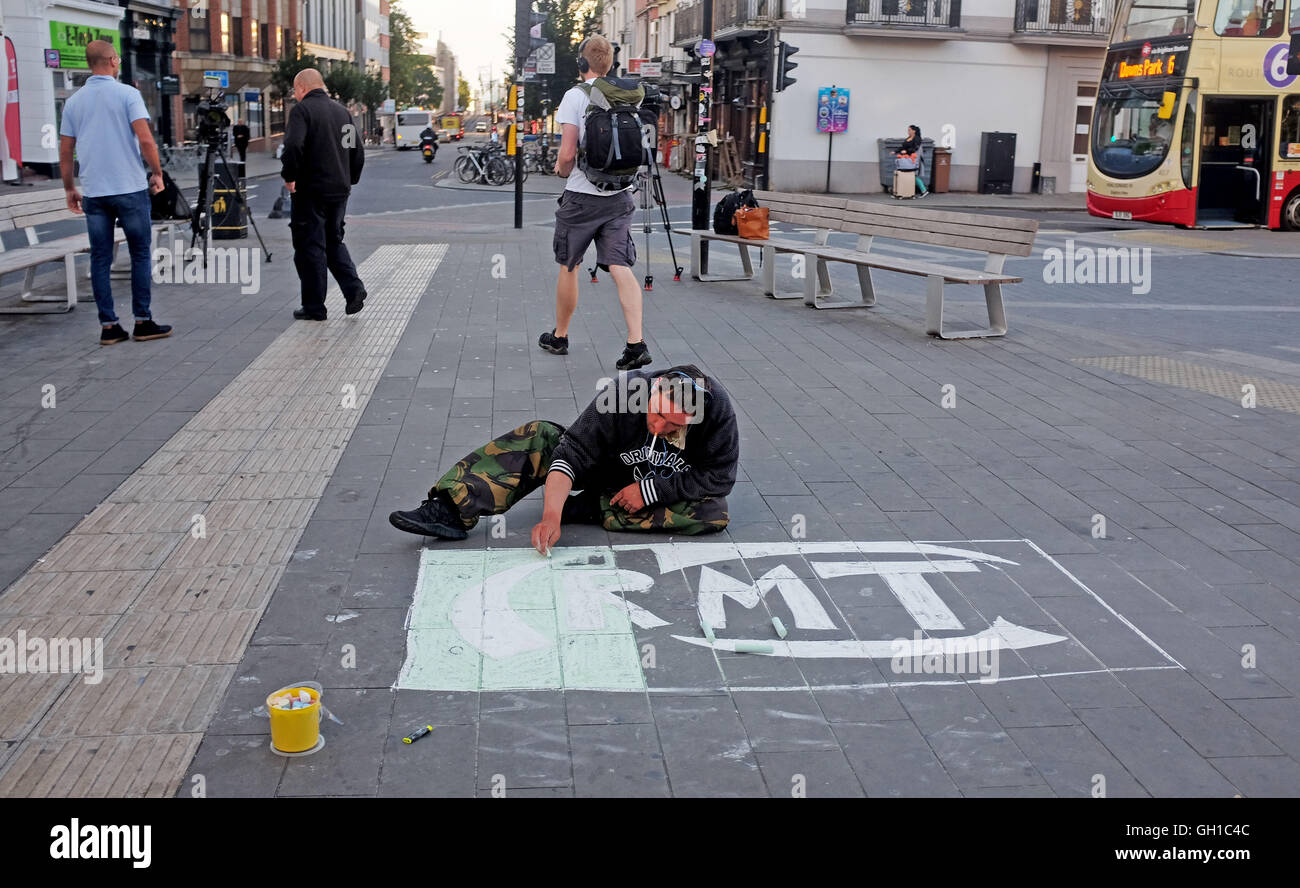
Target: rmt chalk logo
<point x="511" y="619"/>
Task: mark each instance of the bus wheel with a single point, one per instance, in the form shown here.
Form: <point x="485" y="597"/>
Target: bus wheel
<point x="1291" y="212"/>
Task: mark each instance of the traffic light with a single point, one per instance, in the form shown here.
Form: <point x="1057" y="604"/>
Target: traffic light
<point x="614" y="68"/>
<point x="784" y="66"/>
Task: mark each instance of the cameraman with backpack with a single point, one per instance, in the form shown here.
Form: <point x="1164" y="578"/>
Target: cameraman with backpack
<point x="600" y="150"/>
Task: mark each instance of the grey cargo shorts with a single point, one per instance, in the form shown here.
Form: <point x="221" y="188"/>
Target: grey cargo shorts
<point x="583" y="218"/>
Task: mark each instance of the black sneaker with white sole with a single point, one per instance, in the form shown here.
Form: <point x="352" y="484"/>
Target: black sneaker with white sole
<point x="434" y="518"/>
<point x="635" y="354"/>
<point x="556" y="345"/>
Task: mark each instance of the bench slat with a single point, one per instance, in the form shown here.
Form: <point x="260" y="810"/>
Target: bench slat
<point x="970" y="231"/>
<point x="31" y="221"/>
<point x="1000" y="235"/>
<point x="951" y="273"/>
<point x="903" y="212"/>
<point x="16" y="260"/>
<point x="981" y="245"/>
<point x="17" y="201"/>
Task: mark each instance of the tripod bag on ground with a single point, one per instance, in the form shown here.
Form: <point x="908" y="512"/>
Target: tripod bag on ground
<point x="170" y="203"/>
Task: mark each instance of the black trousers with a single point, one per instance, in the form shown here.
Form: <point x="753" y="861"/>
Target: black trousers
<point x="317" y="226"/>
<point x="242" y="148"/>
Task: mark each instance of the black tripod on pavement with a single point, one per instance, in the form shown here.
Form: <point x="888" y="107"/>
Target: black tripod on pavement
<point x="651" y="187"/>
<point x="201" y="221"/>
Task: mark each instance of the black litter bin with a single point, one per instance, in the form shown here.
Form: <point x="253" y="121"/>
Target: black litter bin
<point x="890" y="147"/>
<point x="229" y="209"/>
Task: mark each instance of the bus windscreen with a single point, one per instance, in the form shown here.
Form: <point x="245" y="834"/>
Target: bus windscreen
<point x="1152" y="19"/>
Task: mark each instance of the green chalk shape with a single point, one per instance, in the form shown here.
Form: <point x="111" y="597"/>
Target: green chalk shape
<point x="708" y="631"/>
<point x="753" y="647"/>
<point x="779" y="626"/>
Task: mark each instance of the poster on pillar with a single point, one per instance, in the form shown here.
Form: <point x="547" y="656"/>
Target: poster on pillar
<point x="832" y="109"/>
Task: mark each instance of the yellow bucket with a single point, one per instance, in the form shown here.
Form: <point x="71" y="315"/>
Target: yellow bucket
<point x="296" y="730"/>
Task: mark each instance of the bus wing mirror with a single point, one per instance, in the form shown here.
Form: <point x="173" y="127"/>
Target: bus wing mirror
<point x="1293" y="60"/>
<point x="1167" y="105"/>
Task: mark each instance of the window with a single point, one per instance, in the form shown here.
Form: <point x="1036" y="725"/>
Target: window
<point x="254" y="44"/>
<point x="225" y="33"/>
<point x="1289" y="131"/>
<point x="264" y="40"/>
<point x="1149" y="19"/>
<point x="286" y="44"/>
<point x="200" y="38"/>
<point x="1249" y="18"/>
<point x="1128" y="138"/>
<point x="1295" y="17"/>
<point x="237" y="25"/>
<point x="1188" y="145"/>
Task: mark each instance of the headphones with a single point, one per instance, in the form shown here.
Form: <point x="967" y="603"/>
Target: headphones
<point x="583" y="65"/>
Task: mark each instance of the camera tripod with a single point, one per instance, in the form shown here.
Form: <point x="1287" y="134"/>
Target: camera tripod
<point x="201" y="221"/>
<point x="651" y="187"/>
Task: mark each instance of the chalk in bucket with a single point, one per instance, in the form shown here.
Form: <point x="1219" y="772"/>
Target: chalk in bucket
<point x="295" y="712"/>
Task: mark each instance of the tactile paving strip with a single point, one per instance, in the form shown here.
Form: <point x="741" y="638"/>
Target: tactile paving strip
<point x="175" y="568"/>
<point x="1201" y="378"/>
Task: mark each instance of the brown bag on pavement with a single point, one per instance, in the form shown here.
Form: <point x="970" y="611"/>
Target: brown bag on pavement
<point x="751" y="223"/>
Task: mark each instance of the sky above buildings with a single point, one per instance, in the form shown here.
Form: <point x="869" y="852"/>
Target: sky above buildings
<point x="472" y="29"/>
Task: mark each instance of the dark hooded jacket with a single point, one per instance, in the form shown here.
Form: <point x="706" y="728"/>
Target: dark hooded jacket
<point x="607" y="449"/>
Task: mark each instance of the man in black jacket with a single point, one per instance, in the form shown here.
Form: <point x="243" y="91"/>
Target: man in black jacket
<point x="653" y="451"/>
<point x="322" y="160"/>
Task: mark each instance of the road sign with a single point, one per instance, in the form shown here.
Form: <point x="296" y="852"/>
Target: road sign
<point x="652" y="69"/>
<point x="705" y="48"/>
<point x="545" y="55"/>
<point x="223" y="76"/>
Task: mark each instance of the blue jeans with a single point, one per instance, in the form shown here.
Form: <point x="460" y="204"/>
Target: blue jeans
<point x="133" y="211"/>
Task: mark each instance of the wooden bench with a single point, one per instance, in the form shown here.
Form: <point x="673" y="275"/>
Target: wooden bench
<point x="29" y="208"/>
<point x="996" y="237"/>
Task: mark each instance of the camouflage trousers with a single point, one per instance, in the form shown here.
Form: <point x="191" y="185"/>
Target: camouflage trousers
<point x="501" y="472"/>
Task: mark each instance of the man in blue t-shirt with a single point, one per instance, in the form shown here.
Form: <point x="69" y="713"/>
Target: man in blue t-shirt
<point x="107" y="119"/>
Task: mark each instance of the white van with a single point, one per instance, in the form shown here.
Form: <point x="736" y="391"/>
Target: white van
<point x="410" y="124"/>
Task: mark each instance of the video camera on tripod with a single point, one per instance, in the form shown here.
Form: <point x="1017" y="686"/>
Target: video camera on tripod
<point x="212" y="124"/>
<point x="211" y="118"/>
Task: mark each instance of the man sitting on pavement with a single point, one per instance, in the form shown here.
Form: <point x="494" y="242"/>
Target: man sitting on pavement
<point x="653" y="451"/>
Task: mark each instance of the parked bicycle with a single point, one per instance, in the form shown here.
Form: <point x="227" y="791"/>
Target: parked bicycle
<point x="484" y="165"/>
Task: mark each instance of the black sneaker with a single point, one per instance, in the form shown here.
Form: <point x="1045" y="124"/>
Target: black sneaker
<point x="635" y="354"/>
<point x="355" y="305"/>
<point x="434" y="518"/>
<point x="301" y="315"/>
<point x="556" y="345"/>
<point x="112" y="335"/>
<point x="149" y="330"/>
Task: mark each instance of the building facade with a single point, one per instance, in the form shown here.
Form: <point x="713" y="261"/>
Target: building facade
<point x="49" y="41"/>
<point x="372" y="37"/>
<point x="329" y="29"/>
<point x="444" y="60"/>
<point x="956" y="68"/>
<point x="239" y="42"/>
